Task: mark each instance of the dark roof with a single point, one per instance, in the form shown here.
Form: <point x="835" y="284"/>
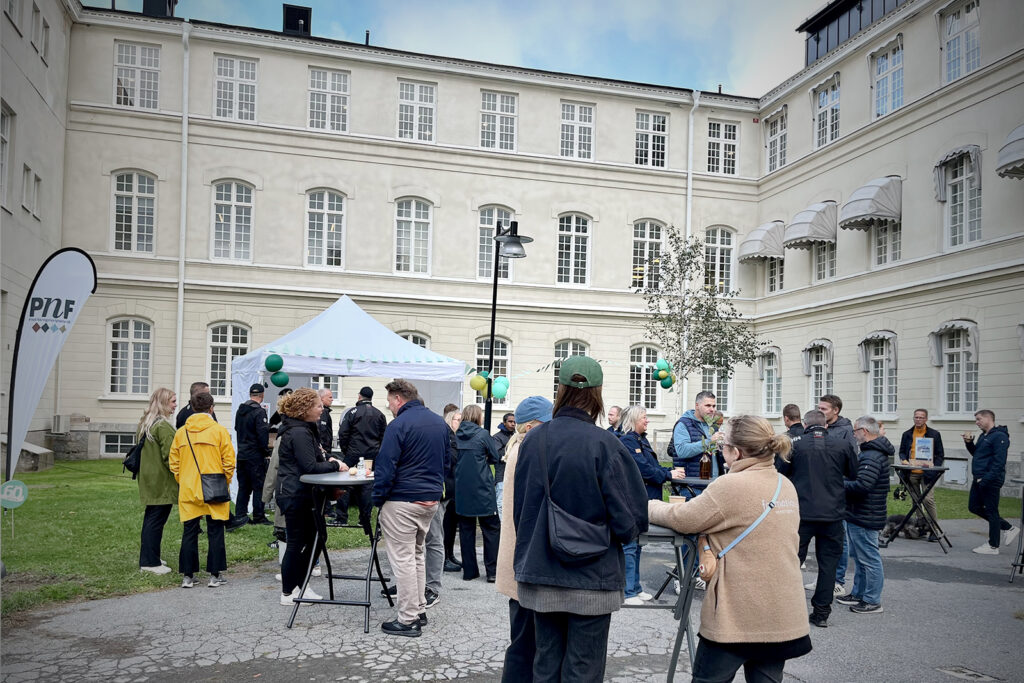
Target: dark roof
<point x="825" y="14"/>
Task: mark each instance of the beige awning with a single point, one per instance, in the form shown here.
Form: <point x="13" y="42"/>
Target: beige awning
<point x="877" y="203"/>
<point x="813" y="225"/>
<point x="1010" y="163"/>
<point x="763" y="242"/>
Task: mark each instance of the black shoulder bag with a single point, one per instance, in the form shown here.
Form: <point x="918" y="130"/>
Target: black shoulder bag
<point x="215" y="486"/>
<point x="572" y="539"/>
<point x="133" y="458"/>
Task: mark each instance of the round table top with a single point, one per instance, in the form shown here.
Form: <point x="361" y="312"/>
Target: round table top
<point x="933" y="468"/>
<point x="693" y="481"/>
<point x="336" y="479"/>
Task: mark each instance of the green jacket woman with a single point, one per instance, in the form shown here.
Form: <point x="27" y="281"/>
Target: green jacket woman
<point x="158" y="490"/>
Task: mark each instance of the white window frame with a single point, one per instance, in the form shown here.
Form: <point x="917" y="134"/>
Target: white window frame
<point x="571" y="241"/>
<point x="719" y="256"/>
<point x="720" y="385"/>
<point x="414" y="224"/>
<point x="12" y="8"/>
<point x="777" y="135"/>
<point x="723" y="147"/>
<point x="961" y="39"/>
<point x="237" y="81"/>
<point x="564" y="349"/>
<point x="886" y="243"/>
<point x="963" y="203"/>
<point x="332" y="382"/>
<point x="330" y="88"/>
<point x="651" y="139"/>
<point x="31" y="188"/>
<point x="331" y="223"/>
<point x="236" y="207"/>
<point x="771" y="383"/>
<point x="823" y="261"/>
<point x="487" y="216"/>
<point x="577" y="121"/>
<point x="136" y="65"/>
<point x="959" y="375"/>
<point x="232" y="349"/>
<point x="499" y="120"/>
<point x="826" y="113"/>
<point x="775" y="275"/>
<point x="35" y="27"/>
<point x="137" y="197"/>
<point x="134" y="345"/>
<point x="420" y="339"/>
<point x="643" y="388"/>
<point x="6" y="135"/>
<point x="117" y="443"/>
<point x="882" y="379"/>
<point x="648" y="243"/>
<point x="44" y="42"/>
<point x="502" y="365"/>
<point x="887" y="79"/>
<point x="421" y="108"/>
<point x="821" y="379"/>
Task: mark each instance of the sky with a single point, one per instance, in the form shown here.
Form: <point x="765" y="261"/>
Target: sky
<point x="741" y="45"/>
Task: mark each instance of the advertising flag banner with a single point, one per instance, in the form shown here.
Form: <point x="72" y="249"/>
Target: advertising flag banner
<point x="58" y="294"/>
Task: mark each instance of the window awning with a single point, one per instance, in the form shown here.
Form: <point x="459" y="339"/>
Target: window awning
<point x="806" y="354"/>
<point x="935" y="340"/>
<point x="1010" y="163"/>
<point x="864" y="354"/>
<point x="878" y="202"/>
<point x="763" y="242"/>
<point x="972" y="151"/>
<point x="815" y="224"/>
<point x="768" y="351"/>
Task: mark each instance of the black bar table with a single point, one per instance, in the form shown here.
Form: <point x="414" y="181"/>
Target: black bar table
<point x="693" y="484"/>
<point x="917" y="497"/>
<point x="1017" y="565"/>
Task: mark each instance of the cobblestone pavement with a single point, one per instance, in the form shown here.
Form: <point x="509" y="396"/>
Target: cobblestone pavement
<point x="961" y="603"/>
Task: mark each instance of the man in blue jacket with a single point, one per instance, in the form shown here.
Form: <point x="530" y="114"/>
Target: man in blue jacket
<point x="693" y="435"/>
<point x="409" y="475"/>
<point x="988" y="472"/>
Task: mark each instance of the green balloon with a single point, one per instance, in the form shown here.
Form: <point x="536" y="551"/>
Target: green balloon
<point x="273" y="363"/>
<point x="500" y="390"/>
<point x="503" y="380"/>
<point x="666" y="383"/>
<point x="662" y="364"/>
<point x="279" y="379"/>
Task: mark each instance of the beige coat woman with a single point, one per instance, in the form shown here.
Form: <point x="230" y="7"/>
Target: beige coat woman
<point x="506" y="582"/>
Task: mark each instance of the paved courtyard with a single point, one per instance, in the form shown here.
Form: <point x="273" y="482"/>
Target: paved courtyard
<point x="946" y="618"/>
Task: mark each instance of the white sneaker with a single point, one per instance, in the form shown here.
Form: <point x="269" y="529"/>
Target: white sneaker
<point x="811" y="586"/>
<point x="286" y="598"/>
<point x="162" y="563"/>
<point x="317" y="571"/>
<point x="1010" y="535"/>
<point x="162" y="569"/>
<point x="645" y="596"/>
<point x="188" y="582"/>
<point x="277" y="577"/>
<point x="633" y="601"/>
<point x="803" y="566"/>
<point x="701" y="584"/>
<point x="839" y="589"/>
<point x="986" y="549"/>
<point x="310" y="595"/>
<point x="675" y="586"/>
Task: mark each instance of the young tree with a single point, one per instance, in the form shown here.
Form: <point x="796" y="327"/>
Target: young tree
<point x="693" y="318"/>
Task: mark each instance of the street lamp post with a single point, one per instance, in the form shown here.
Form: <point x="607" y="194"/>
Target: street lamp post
<point x="509" y="244"/>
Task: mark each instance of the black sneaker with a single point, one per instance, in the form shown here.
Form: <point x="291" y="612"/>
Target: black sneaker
<point x="450" y="566"/>
<point x="236" y="523"/>
<point x="397" y="628"/>
<point x="848" y="599"/>
<point x="264" y="522"/>
<point x="819" y="620"/>
<point x="391" y="590"/>
<point x="422" y="619"/>
<point x="432" y="598"/>
<point x="333" y="522"/>
<point x="866" y="608"/>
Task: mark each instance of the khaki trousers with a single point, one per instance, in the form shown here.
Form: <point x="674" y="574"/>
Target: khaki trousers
<point x="404" y="529"/>
<point x="929" y="501"/>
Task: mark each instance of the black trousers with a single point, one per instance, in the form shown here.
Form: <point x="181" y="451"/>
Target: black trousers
<point x="216" y="555"/>
<point x="300" y="529"/>
<point x="153" y="522"/>
<point x="828" y="547"/>
<point x="251" y="473"/>
<point x="714" y="664"/>
<point x="490" y="527"/>
<point x="984" y="502"/>
<point x="451" y="526"/>
<point x="570" y="647"/>
<point x="523" y="646"/>
<point x="359" y="496"/>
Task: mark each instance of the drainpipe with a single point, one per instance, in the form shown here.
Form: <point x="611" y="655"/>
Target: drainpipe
<point x="689" y="213"/>
<point x="186" y="30"/>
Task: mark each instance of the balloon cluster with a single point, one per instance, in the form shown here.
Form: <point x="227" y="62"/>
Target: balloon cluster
<point x="499" y="385"/>
<point x="664" y="373"/>
<point x="274" y="363"/>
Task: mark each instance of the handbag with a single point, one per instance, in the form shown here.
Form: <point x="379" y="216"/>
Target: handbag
<point x="572" y="539"/>
<point x="709" y="560"/>
<point x="215" y="485"/>
<point x="133" y="458"/>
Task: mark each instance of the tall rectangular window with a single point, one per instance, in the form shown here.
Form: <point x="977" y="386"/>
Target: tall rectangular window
<point x="960" y="374"/>
<point x="226" y="342"/>
<point x="13" y="10"/>
<point x="325" y="229"/>
<point x="643" y="388"/>
<point x="775" y="271"/>
<point x="137" y="75"/>
<point x="6" y="130"/>
<point x="651" y="139"/>
<point x="716" y="380"/>
<point x="962" y="40"/>
<point x="646" y="254"/>
<point x="328" y="100"/>
<point x="777" y="142"/>
<point x="826" y="114"/>
<point x="490" y="218"/>
<point x="412" y="236"/>
<point x="129" y="343"/>
<point x="963" y="199"/>
<point x="500" y="367"/>
<point x="232" y="221"/>
<point x="888" y="81"/>
<point x="563" y="350"/>
<point x="882" y="377"/>
<point x="31" y="186"/>
<point x="577" y="136"/>
<point x="888" y="243"/>
<point x="821" y="373"/>
<point x="416" y="107"/>
<point x="718" y="259"/>
<point x="573" y="249"/>
<point x="722" y="137"/>
<point x="134" y="211"/>
<point x="235" y="89"/>
<point x="498" y="113"/>
<point x="824" y="260"/>
<point x="772" y="388"/>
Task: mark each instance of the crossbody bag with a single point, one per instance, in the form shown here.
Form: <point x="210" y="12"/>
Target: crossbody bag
<point x="215" y="485"/>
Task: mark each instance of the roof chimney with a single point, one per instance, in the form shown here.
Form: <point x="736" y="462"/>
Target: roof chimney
<point x="158" y="8"/>
<point x="298" y="20"/>
<point x="367" y="36"/>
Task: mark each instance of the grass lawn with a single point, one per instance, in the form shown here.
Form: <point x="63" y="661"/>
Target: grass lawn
<point x="952" y="504"/>
<point x="77" y="538"/>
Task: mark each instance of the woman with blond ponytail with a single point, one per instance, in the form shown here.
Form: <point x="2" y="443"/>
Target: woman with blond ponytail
<point x="158" y="490"/>
<point x="754" y="613"/>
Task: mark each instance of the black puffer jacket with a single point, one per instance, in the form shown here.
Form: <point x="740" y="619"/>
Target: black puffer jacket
<point x="251" y="431"/>
<point x="819" y="464"/>
<point x="299" y="454"/>
<point x="866" y="495"/>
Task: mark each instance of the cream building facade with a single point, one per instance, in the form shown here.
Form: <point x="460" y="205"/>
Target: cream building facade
<point x="230" y="183"/>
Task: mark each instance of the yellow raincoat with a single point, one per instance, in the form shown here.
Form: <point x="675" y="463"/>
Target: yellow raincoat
<point x="212" y="445"/>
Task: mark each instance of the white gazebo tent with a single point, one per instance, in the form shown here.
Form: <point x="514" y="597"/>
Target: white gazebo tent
<point x="346" y="341"/>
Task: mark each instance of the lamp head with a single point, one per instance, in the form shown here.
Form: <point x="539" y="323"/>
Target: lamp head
<point x="510" y="242"/>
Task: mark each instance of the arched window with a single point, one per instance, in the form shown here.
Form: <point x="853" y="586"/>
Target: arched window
<point x="501" y="364"/>
<point x="490" y="218"/>
<point x="413" y="218"/>
<point x="232" y="220"/>
<point x="325" y="228"/>
<point x="573" y="249"/>
<point x="769" y="366"/>
<point x="417" y="338"/>
<point x="129" y="341"/>
<point x="718" y="244"/>
<point x="647" y="237"/>
<point x="564" y="349"/>
<point x="134" y="211"/>
<point x="643" y="388"/>
<point x="225" y="342"/>
<point x="953" y="347"/>
<point x="877" y="353"/>
<point x="817" y="362"/>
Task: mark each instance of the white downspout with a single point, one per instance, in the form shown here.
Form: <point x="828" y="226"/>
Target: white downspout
<point x="186" y="30"/>
<point x="689" y="214"/>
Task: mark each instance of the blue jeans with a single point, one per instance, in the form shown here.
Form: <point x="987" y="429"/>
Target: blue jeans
<point x="498" y="489"/>
<point x="844" y="559"/>
<point x="868" y="576"/>
<point x="631" y="551"/>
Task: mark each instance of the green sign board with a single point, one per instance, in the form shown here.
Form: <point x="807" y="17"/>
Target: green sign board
<point x="13" y="493"/>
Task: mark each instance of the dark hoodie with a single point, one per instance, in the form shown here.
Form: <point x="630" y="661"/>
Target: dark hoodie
<point x="843" y="429"/>
<point x="501" y="440"/>
<point x="251" y="431"/>
<point x="866" y="495"/>
<point x="988" y="463"/>
<point x="299" y="454"/>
